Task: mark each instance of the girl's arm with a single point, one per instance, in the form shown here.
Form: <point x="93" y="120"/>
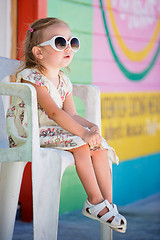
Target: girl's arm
<point x="62" y="118"/>
<point x="69" y="107"/>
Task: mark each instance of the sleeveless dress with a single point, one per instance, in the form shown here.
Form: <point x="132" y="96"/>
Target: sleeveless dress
<point x="50" y="133"/>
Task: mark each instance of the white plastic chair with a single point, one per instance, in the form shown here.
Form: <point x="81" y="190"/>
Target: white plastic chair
<point x="48" y="165"/>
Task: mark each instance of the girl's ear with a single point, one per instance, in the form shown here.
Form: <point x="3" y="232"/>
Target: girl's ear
<point x="37" y="52"/>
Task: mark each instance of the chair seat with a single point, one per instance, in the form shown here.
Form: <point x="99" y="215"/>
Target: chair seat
<point x="66" y="157"/>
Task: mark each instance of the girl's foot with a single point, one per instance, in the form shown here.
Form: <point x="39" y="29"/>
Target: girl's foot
<point x="106" y="213"/>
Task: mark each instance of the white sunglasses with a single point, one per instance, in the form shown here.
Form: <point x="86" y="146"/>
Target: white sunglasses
<point x="59" y="43"/>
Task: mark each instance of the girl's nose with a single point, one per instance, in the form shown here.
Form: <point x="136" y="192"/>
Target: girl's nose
<point x="68" y="47"/>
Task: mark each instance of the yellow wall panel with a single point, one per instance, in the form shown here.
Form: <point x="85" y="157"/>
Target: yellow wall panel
<point x="131" y="123"/>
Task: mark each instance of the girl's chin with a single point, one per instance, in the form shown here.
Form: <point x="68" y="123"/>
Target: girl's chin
<point x="65" y="64"/>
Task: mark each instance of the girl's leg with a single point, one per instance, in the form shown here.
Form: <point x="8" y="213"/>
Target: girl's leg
<point x="85" y="171"/>
<point x="95" y="179"/>
<point x="103" y="175"/>
<point x="102" y="172"/>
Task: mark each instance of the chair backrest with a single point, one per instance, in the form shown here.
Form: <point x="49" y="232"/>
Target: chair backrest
<point x="8" y="67"/>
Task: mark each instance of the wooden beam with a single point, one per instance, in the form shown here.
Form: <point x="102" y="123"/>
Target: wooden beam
<point x="14" y="29"/>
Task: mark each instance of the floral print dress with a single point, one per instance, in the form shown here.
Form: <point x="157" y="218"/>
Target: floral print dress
<point x="51" y="134"/>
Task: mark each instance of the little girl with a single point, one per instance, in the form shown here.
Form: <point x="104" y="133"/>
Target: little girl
<point x="49" y="46"/>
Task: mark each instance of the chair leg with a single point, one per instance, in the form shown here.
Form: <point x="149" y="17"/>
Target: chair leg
<point x="10" y="182"/>
<point x="106" y="232"/>
<point x="46" y="182"/>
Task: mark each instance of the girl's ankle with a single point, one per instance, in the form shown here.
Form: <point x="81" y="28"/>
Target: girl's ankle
<point x="95" y="201"/>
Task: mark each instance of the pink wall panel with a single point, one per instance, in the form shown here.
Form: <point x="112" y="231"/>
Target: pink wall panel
<point x="135" y="29"/>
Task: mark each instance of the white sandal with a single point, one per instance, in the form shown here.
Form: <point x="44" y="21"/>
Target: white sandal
<point x="119" y="223"/>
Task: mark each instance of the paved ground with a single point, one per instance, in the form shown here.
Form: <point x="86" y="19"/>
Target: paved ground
<point x="143" y="224"/>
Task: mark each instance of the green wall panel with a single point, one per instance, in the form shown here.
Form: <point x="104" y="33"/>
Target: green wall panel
<point x="80" y="72"/>
<point x="79" y="17"/>
<point x="85" y="2"/>
<point x="79" y="106"/>
<point x="72" y="192"/>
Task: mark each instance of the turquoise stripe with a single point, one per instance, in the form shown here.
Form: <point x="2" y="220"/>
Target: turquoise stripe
<point x="136" y="179"/>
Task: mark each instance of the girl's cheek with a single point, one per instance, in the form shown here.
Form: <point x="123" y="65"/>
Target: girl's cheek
<point x="71" y="55"/>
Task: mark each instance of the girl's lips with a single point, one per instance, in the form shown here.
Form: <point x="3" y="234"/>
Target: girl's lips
<point x="67" y="56"/>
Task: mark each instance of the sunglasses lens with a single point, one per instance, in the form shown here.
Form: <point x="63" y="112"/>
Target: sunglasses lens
<point x="60" y="43"/>
<point x="75" y="44"/>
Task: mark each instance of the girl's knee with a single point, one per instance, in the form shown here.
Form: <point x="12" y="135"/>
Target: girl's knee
<point x="82" y="152"/>
<point x="80" y="149"/>
<point x="100" y="154"/>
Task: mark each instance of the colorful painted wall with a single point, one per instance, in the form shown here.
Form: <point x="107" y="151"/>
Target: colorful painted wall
<point x="126" y="67"/>
<point x="120" y="45"/>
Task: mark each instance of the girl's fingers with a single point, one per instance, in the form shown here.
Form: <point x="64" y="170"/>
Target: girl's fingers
<point x="94" y="139"/>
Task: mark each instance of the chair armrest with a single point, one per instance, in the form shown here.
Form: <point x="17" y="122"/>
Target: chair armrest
<point x="90" y="95"/>
<point x="28" y="94"/>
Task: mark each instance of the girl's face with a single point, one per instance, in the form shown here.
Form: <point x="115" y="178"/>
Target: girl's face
<point x="52" y="58"/>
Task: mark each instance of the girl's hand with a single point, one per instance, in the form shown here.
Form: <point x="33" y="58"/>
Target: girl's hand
<point x="95" y="129"/>
<point x="93" y="138"/>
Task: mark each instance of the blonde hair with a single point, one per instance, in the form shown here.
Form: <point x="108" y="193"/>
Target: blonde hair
<point x="34" y="38"/>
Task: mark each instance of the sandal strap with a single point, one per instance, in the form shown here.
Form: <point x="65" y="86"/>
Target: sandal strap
<point x="108" y="215"/>
<point x="108" y="205"/>
<point x="117" y="220"/>
<point x="95" y="209"/>
<point x="113" y="212"/>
